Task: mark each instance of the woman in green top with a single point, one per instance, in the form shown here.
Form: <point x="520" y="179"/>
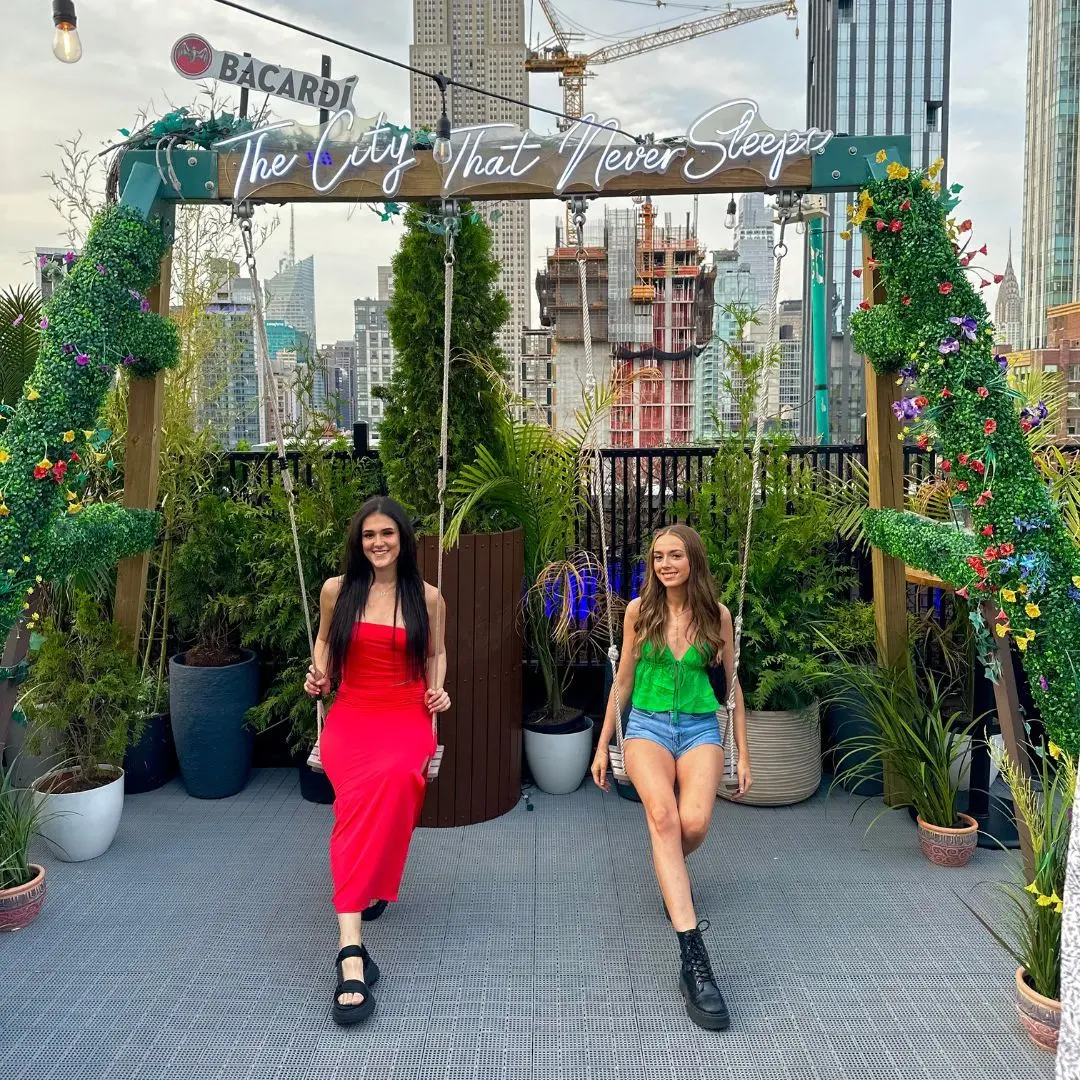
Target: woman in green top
<point x="677" y="657"/>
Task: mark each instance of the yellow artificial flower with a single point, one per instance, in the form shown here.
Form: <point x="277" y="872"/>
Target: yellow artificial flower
<point x="1032" y="888"/>
<point x="38" y="579"/>
<point x="896" y="171"/>
<point x="71" y="496"/>
<point x="881" y="156"/>
<point x="1008" y="596"/>
<point x="44" y="463"/>
<point x="74" y="508"/>
<point x="1054" y="898"/>
<point x="4" y="457"/>
<point x="1032" y="610"/>
<point x="1076" y="580"/>
<point x="845" y="235"/>
<point x="32" y="395"/>
<point x="1022" y="644"/>
<point x="866" y="204"/>
<point x="4" y="511"/>
<point x="1044" y="901"/>
<point x="89" y="434"/>
<point x="1022" y="589"/>
<point x="26" y="558"/>
<point x="935" y="168"/>
<point x="1030" y="634"/>
<point x="1059" y="908"/>
<point x="69" y="436"/>
<point x="1002" y="629"/>
<point x="1055" y="750"/>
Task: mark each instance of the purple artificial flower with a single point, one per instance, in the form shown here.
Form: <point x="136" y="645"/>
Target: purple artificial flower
<point x="967" y="324"/>
<point x="44" y="324"/>
<point x="69" y="258"/>
<point x="18" y="319"/>
<point x="949" y="345"/>
<point x="82" y="359"/>
<point x="67" y="348"/>
<point x="101" y="269"/>
<point x="129" y="359"/>
<point x="1002" y="361"/>
<point x="43" y="261"/>
<point x="906" y="409"/>
<point x="144" y="306"/>
<point x="909" y="372"/>
<point x="1043" y="684"/>
<point x="135" y="294"/>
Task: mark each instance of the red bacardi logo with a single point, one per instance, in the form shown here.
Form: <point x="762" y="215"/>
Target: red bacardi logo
<point x="192" y="56"/>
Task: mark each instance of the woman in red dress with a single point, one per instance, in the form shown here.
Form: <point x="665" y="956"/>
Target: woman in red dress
<point x="378" y="645"/>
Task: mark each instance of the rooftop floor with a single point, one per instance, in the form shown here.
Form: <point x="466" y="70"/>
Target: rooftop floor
<point x="533" y="947"/>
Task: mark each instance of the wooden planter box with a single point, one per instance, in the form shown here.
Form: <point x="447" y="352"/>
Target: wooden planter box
<point x="480" y="777"/>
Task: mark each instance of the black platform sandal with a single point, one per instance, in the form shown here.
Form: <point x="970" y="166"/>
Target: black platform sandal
<point x="347" y="1015"/>
<point x="373" y="911"/>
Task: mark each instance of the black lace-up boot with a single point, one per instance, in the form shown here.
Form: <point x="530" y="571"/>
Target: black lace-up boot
<point x="704" y="1002"/>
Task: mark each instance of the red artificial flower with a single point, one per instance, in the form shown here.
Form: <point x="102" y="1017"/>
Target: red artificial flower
<point x="983" y="392"/>
<point x="991" y="554"/>
<point x="976" y="564"/>
<point x="990" y="426"/>
<point x="906" y="301"/>
<point x="962" y="458"/>
<point x="906" y="204"/>
<point x="865" y="305"/>
<point x="963" y="592"/>
<point x="962" y="486"/>
<point x="946" y="465"/>
<point x="922" y="442"/>
<point x="984" y="284"/>
<point x="983" y="251"/>
<point x="1002" y="616"/>
<point x="1025" y="426"/>
<point x="74" y="457"/>
<point x="946" y="392"/>
<point x="1007" y="549"/>
<point x="856" y="272"/>
<point x="988" y="530"/>
<point x="999" y="278"/>
<point x="880" y="225"/>
<point x="40" y="472"/>
<point x="921" y="402"/>
<point x="978" y="466"/>
<point x="945" y="288"/>
<point x="872" y="263"/>
<point x="896" y="225"/>
<point x="965" y="226"/>
<point x="58" y="471"/>
<point x="984" y="498"/>
<point x="981" y="586"/>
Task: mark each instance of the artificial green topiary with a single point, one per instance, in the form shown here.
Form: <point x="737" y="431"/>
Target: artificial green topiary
<point x="934" y="332"/>
<point x="97" y="321"/>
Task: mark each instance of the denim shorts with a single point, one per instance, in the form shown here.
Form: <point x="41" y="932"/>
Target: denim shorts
<point x="678" y="733"/>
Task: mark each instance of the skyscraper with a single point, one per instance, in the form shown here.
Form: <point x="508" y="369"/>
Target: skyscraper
<point x="481" y="42"/>
<point x="875" y="67"/>
<point x="1009" y="309"/>
<point x="1050" y="269"/>
<point x="374" y="354"/>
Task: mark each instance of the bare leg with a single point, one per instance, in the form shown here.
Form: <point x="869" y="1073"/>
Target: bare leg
<point x="651" y="768"/>
<point x="349" y="934"/>
<point x="698" y="772"/>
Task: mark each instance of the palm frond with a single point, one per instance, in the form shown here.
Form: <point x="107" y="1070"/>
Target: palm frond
<point x="20" y="340"/>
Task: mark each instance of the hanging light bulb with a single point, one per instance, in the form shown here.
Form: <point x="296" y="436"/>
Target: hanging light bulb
<point x="800" y="227"/>
<point x="67" y="48"/>
<point x="729" y="218"/>
<point x="443" y="150"/>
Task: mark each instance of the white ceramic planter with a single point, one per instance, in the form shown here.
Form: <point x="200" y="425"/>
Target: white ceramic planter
<point x="559" y="762"/>
<point x="82" y="825"/>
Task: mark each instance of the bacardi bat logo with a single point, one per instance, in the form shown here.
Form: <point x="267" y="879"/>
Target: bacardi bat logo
<point x="192" y="56"/>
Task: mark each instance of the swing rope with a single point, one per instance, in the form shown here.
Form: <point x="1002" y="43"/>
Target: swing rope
<point x="592" y="449"/>
<point x="262" y="349"/>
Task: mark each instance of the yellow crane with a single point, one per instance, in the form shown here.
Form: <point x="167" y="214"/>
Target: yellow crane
<point x="573" y="68"/>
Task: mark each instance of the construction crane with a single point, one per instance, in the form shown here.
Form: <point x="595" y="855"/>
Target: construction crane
<point x="573" y="68"/>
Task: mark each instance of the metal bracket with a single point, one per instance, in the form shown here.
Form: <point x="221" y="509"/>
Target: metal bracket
<point x="197" y="171"/>
<point x="848" y="162"/>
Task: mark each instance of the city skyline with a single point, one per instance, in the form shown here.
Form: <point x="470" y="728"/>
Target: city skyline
<point x="762" y="61"/>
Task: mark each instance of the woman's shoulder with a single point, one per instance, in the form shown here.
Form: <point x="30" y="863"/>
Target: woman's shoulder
<point x="431" y="594"/>
<point x="332" y="587"/>
<point x="634" y="607"/>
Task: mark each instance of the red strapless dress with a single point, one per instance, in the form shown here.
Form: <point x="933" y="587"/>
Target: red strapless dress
<point x="375" y="747"/>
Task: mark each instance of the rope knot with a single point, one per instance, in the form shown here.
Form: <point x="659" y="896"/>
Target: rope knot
<point x="613" y="653"/>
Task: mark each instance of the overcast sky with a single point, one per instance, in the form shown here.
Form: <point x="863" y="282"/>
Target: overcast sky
<point x="126" y="64"/>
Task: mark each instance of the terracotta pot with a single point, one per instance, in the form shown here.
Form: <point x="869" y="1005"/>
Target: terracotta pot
<point x="949" y="847"/>
<point x="20" y="906"/>
<point x="1040" y="1016"/>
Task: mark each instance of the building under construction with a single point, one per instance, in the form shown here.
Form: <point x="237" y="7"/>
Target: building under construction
<point x="650" y="302"/>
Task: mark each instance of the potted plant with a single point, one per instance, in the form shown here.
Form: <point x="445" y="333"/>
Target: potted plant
<point x="1031" y="932"/>
<point x="85" y="690"/>
<point x="920" y="743"/>
<point x="531" y="475"/>
<point x="22" y="883"/>
<point x="215" y="681"/>
<point x="480" y="776"/>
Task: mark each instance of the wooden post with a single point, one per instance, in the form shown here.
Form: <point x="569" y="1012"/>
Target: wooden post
<point x="885" y="465"/>
<point x="141" y="468"/>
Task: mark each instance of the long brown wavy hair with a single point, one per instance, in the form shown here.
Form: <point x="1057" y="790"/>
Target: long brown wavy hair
<point x="705" y="626"/>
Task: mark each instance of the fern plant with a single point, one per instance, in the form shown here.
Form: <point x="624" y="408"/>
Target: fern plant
<point x="20" y="314"/>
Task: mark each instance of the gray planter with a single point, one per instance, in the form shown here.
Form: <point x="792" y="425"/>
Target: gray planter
<point x="213" y="741"/>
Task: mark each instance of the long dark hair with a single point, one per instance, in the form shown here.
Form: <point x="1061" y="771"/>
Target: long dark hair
<point x="357" y="577"/>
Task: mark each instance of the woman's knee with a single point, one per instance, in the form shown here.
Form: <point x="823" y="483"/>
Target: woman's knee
<point x="694" y="823"/>
<point x="663" y="817"/>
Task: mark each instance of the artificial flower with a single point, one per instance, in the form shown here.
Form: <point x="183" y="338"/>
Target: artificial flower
<point x="990" y="426"/>
<point x="44" y="324"/>
<point x="17" y="321"/>
<point x="59" y="470"/>
<point x="983" y="392"/>
<point x="857" y="272"/>
<point x="4" y="457"/>
<point x="880" y="225"/>
<point x="74" y="508"/>
<point x="949" y="345"/>
<point x="881" y="157"/>
<point x="906" y="301"/>
<point x="865" y="305"/>
<point x="962" y="486"/>
<point x="945" y="288"/>
<point x="988" y="530"/>
<point x="845" y="235"/>
<point x="967" y="324"/>
<point x="1032" y="610"/>
<point x="101" y="270"/>
<point x="69" y="436"/>
<point x="946" y="465"/>
<point x="1044" y="686"/>
<point x="935" y="168"/>
<point x="1055" y="750"/>
<point x="82" y="359"/>
<point x="1007" y="549"/>
<point x="1002" y="630"/>
<point x="906" y="204"/>
<point x="896" y="225"/>
<point x="962" y="458"/>
<point x="978" y="467"/>
<point x="1008" y="596"/>
<point x="1022" y="644"/>
<point x="946" y="392"/>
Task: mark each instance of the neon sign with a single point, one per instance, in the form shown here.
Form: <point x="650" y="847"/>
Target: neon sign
<point x="587" y="157"/>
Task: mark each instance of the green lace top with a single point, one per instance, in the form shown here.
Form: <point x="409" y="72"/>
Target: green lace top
<point x="664" y="684"/>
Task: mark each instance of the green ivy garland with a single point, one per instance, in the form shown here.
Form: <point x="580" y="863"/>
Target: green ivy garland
<point x="934" y="332"/>
<point x="96" y="322"/>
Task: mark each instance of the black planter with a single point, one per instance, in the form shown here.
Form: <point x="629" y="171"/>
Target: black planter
<point x="847" y="719"/>
<point x="314" y="786"/>
<point x="213" y="741"/>
<point x="151" y="762"/>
